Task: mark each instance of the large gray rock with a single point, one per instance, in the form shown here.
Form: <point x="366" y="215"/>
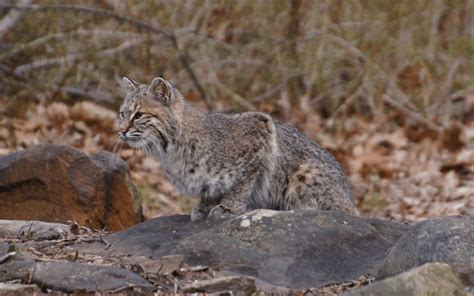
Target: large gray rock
<point x="447" y="239"/>
<point x="273" y="251"/>
<point x="288" y="249"/>
<point x="428" y="279"/>
<point x="56" y="183"/>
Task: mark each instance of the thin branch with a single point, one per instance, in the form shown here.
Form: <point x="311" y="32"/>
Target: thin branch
<point x="96" y="96"/>
<point x="183" y="56"/>
<point x="350" y="98"/>
<point x="62" y="79"/>
<point x="398" y="93"/>
<point x="410" y="112"/>
<point x="392" y="87"/>
<point x="88" y="10"/>
<point x="10" y="20"/>
<point x="5" y="257"/>
<point x="274" y="90"/>
<point x="234" y="96"/>
<point x="61" y="36"/>
<point x="23" y="69"/>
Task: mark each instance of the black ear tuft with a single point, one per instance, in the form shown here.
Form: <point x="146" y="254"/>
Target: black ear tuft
<point x="129" y="84"/>
<point x="161" y="88"/>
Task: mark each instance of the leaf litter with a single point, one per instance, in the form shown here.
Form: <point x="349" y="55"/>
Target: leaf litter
<point x="402" y="173"/>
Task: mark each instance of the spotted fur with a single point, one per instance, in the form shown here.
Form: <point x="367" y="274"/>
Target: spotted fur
<point x="233" y="162"/>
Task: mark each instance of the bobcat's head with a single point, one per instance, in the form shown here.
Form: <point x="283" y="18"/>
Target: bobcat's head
<point x="147" y="117"/>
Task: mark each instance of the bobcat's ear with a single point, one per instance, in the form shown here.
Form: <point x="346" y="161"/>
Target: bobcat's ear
<point x="129" y="84"/>
<point x="161" y="88"/>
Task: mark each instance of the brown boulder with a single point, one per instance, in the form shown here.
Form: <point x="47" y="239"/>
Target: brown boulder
<point x="60" y="183"/>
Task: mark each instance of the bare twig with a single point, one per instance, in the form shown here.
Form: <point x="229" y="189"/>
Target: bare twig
<point x="106" y="242"/>
<point x="295" y="84"/>
<point x="234" y="96"/>
<point x="410" y="112"/>
<point x="73" y="58"/>
<point x="121" y="289"/>
<point x="447" y="86"/>
<point x="273" y="91"/>
<point x="5" y="257"/>
<point x="88" y="10"/>
<point x="10" y="20"/>
<point x="29" y="231"/>
<point x="61" y="80"/>
<point x="60" y="36"/>
<point x="32" y="274"/>
<point x="351" y="98"/>
<point x="183" y="56"/>
<point x="392" y="87"/>
<point x="97" y="96"/>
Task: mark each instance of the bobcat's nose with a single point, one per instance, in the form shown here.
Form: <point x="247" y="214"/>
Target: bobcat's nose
<point x="122" y="135"/>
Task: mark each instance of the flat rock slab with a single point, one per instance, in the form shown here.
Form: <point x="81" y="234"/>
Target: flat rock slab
<point x="290" y="249"/>
<point x="73" y="277"/>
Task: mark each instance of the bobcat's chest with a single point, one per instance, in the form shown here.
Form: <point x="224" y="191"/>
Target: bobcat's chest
<point x="194" y="179"/>
<point x="186" y="178"/>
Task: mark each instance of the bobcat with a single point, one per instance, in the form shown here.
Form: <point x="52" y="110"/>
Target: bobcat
<point x="233" y="162"/>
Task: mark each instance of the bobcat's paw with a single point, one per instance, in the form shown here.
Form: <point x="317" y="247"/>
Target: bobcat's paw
<point x="220" y="211"/>
<point x="197" y="214"/>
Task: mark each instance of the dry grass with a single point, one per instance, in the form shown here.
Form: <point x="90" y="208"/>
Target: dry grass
<point x="334" y="57"/>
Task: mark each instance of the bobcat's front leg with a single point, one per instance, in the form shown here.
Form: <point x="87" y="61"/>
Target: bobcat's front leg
<point x="233" y="203"/>
<point x="228" y="207"/>
<point x="201" y="211"/>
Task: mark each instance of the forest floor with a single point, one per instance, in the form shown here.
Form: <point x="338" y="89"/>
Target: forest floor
<point x="403" y="172"/>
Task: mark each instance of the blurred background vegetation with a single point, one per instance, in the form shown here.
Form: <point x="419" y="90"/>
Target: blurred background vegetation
<point x="379" y="83"/>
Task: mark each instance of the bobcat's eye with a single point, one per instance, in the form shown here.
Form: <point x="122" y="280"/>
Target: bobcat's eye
<point x="137" y="115"/>
<point x="121" y="115"/>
